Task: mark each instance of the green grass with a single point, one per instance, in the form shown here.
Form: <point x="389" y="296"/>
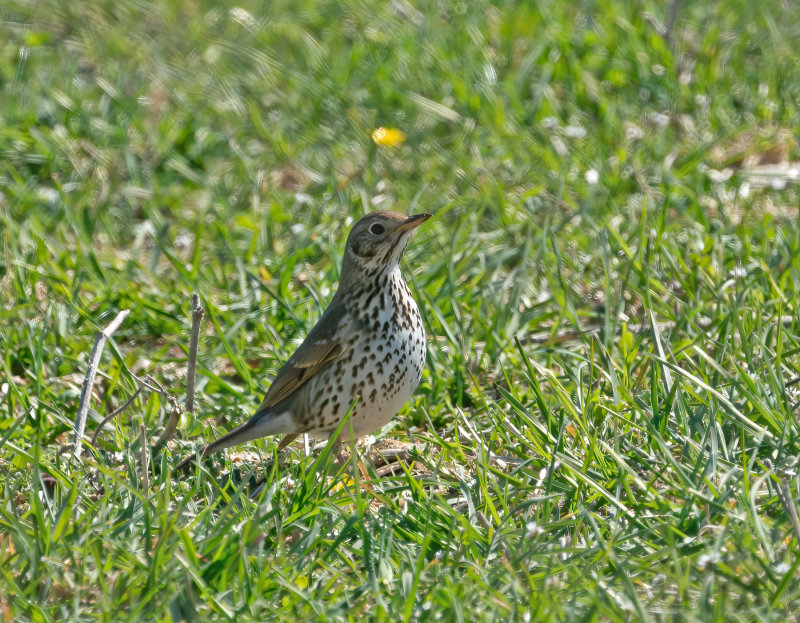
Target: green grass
<point x="608" y="414"/>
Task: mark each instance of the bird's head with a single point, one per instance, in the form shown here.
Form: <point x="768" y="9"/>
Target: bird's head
<point x="376" y="244"/>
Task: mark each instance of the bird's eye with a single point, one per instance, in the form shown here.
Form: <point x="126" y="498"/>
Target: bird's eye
<point x="377" y="229"/>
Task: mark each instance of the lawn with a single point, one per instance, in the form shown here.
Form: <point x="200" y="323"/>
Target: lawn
<point x="608" y="423"/>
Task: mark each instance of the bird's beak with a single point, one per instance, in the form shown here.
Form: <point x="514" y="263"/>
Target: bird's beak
<point x="413" y="221"/>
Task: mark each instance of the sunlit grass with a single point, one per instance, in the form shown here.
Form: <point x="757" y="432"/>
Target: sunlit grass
<point x="607" y="425"/>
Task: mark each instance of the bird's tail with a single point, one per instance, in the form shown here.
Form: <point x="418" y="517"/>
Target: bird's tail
<point x="260" y="425"/>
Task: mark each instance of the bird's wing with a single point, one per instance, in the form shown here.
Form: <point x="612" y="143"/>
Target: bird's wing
<point x="319" y="350"/>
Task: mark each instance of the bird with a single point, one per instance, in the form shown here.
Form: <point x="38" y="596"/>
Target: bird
<point x="364" y="356"/>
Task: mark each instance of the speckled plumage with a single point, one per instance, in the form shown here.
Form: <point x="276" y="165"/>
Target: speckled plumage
<point x="368" y="347"/>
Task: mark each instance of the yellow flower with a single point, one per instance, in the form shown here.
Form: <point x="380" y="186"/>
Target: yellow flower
<point x="388" y="137"/>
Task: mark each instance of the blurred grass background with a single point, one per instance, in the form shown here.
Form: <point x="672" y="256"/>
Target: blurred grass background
<point x="609" y="286"/>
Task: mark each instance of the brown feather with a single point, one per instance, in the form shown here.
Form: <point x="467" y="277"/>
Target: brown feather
<point x="317" y="352"/>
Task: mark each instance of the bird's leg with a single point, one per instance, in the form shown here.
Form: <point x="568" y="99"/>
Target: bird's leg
<point x="337" y="449"/>
<point x="364" y="474"/>
<point x="365" y="480"/>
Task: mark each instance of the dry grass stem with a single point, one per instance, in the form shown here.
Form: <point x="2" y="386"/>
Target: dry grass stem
<point x="88" y="383"/>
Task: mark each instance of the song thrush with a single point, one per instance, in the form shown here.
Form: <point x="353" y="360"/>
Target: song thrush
<point x="366" y="350"/>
